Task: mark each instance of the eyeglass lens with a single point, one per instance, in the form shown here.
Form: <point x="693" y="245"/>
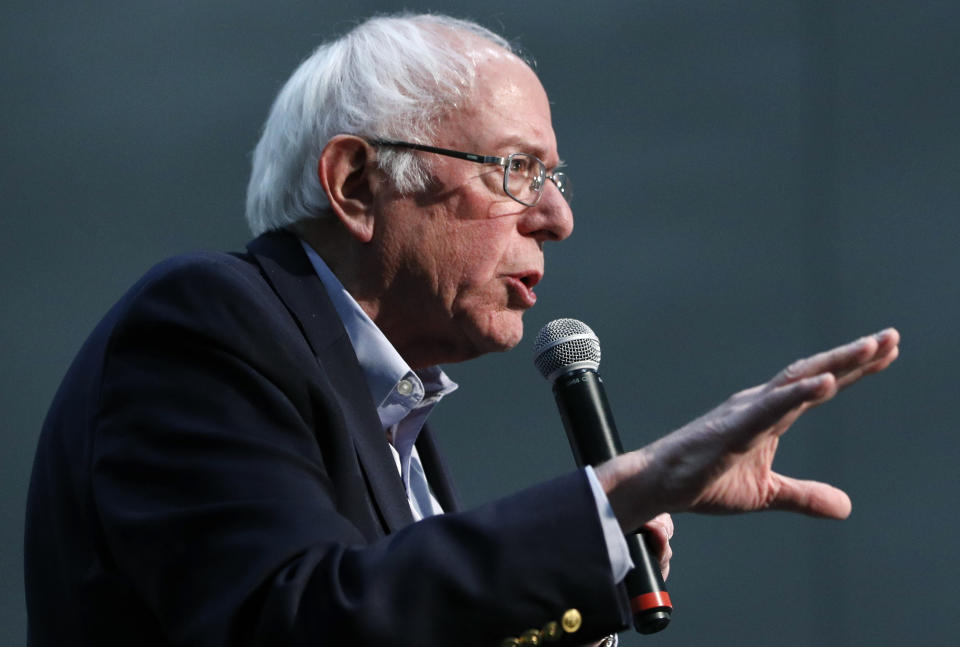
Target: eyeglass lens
<point x="524" y="176"/>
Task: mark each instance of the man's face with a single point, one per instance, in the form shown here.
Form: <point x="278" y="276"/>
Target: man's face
<point x="462" y="257"/>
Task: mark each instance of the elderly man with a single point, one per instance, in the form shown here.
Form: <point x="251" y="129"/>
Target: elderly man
<point x="238" y="454"/>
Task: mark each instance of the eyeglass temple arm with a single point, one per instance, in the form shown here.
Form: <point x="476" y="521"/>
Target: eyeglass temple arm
<point x="471" y="157"/>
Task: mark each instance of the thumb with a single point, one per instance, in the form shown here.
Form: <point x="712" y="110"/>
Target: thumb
<point x="810" y="497"/>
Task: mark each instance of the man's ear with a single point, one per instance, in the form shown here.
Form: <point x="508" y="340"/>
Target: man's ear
<point x="344" y="170"/>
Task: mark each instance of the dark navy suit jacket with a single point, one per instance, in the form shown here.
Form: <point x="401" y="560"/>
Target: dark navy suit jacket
<point x="213" y="472"/>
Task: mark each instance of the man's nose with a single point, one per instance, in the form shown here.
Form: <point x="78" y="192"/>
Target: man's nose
<point x="551" y="219"/>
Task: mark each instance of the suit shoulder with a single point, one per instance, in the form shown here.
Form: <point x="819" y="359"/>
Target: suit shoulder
<point x="193" y="267"/>
<point x="200" y="281"/>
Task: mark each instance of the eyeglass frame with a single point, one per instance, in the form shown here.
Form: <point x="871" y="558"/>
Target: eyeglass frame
<point x="559" y="178"/>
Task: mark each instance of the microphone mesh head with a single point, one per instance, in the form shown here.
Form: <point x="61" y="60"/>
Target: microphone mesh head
<point x="565" y="345"/>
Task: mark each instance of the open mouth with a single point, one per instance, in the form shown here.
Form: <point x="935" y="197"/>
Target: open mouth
<point x="523" y="284"/>
<point x="529" y="279"/>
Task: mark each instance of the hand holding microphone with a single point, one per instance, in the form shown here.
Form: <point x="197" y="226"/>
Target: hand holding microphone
<point x="567" y="354"/>
<point x="718" y="463"/>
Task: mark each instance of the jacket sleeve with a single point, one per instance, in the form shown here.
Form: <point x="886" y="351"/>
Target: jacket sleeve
<point x="217" y="440"/>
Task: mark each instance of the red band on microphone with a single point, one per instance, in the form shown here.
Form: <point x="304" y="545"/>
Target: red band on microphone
<point x="651" y="601"/>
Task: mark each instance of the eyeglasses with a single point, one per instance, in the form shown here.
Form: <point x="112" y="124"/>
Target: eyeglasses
<point x="523" y="174"/>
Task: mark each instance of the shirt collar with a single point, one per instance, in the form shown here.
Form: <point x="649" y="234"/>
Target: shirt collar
<point x="395" y="387"/>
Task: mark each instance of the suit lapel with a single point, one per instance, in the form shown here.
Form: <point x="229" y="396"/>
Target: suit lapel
<point x="436" y="471"/>
<point x="293" y="278"/>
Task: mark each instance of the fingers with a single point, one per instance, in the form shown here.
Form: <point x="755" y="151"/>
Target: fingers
<point x="662" y="527"/>
<point x="887" y="352"/>
<point x="778" y="407"/>
<point x="658" y="532"/>
<point x="811" y="498"/>
<point x="848" y="363"/>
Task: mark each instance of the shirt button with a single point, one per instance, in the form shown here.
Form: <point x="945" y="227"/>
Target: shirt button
<point x="404" y="387"/>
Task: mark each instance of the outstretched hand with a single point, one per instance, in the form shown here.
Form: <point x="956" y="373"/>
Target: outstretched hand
<point x="721" y="462"/>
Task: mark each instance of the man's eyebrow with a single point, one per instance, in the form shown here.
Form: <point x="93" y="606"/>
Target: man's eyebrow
<point x="517" y="144"/>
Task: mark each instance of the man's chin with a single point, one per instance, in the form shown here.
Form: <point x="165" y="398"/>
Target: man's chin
<point x="505" y="333"/>
<point x="500" y="333"/>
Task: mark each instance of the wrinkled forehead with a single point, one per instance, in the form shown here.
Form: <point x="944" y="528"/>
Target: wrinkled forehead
<point x="507" y="109"/>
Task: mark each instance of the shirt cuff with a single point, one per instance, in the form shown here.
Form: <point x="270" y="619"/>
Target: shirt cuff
<point x="620" y="562"/>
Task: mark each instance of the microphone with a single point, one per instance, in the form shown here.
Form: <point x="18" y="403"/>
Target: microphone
<point x="567" y="354"/>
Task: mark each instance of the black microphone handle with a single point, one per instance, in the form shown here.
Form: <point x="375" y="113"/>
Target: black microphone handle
<point x="593" y="437"/>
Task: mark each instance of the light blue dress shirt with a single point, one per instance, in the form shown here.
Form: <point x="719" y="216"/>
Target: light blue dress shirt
<point x="406" y="397"/>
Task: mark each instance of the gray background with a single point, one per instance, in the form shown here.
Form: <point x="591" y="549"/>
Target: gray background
<point x="755" y="181"/>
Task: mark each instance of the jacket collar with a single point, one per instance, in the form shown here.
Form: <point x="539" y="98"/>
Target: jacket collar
<point x="296" y="283"/>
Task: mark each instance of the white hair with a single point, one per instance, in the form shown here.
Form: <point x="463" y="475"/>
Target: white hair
<point x="391" y="77"/>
